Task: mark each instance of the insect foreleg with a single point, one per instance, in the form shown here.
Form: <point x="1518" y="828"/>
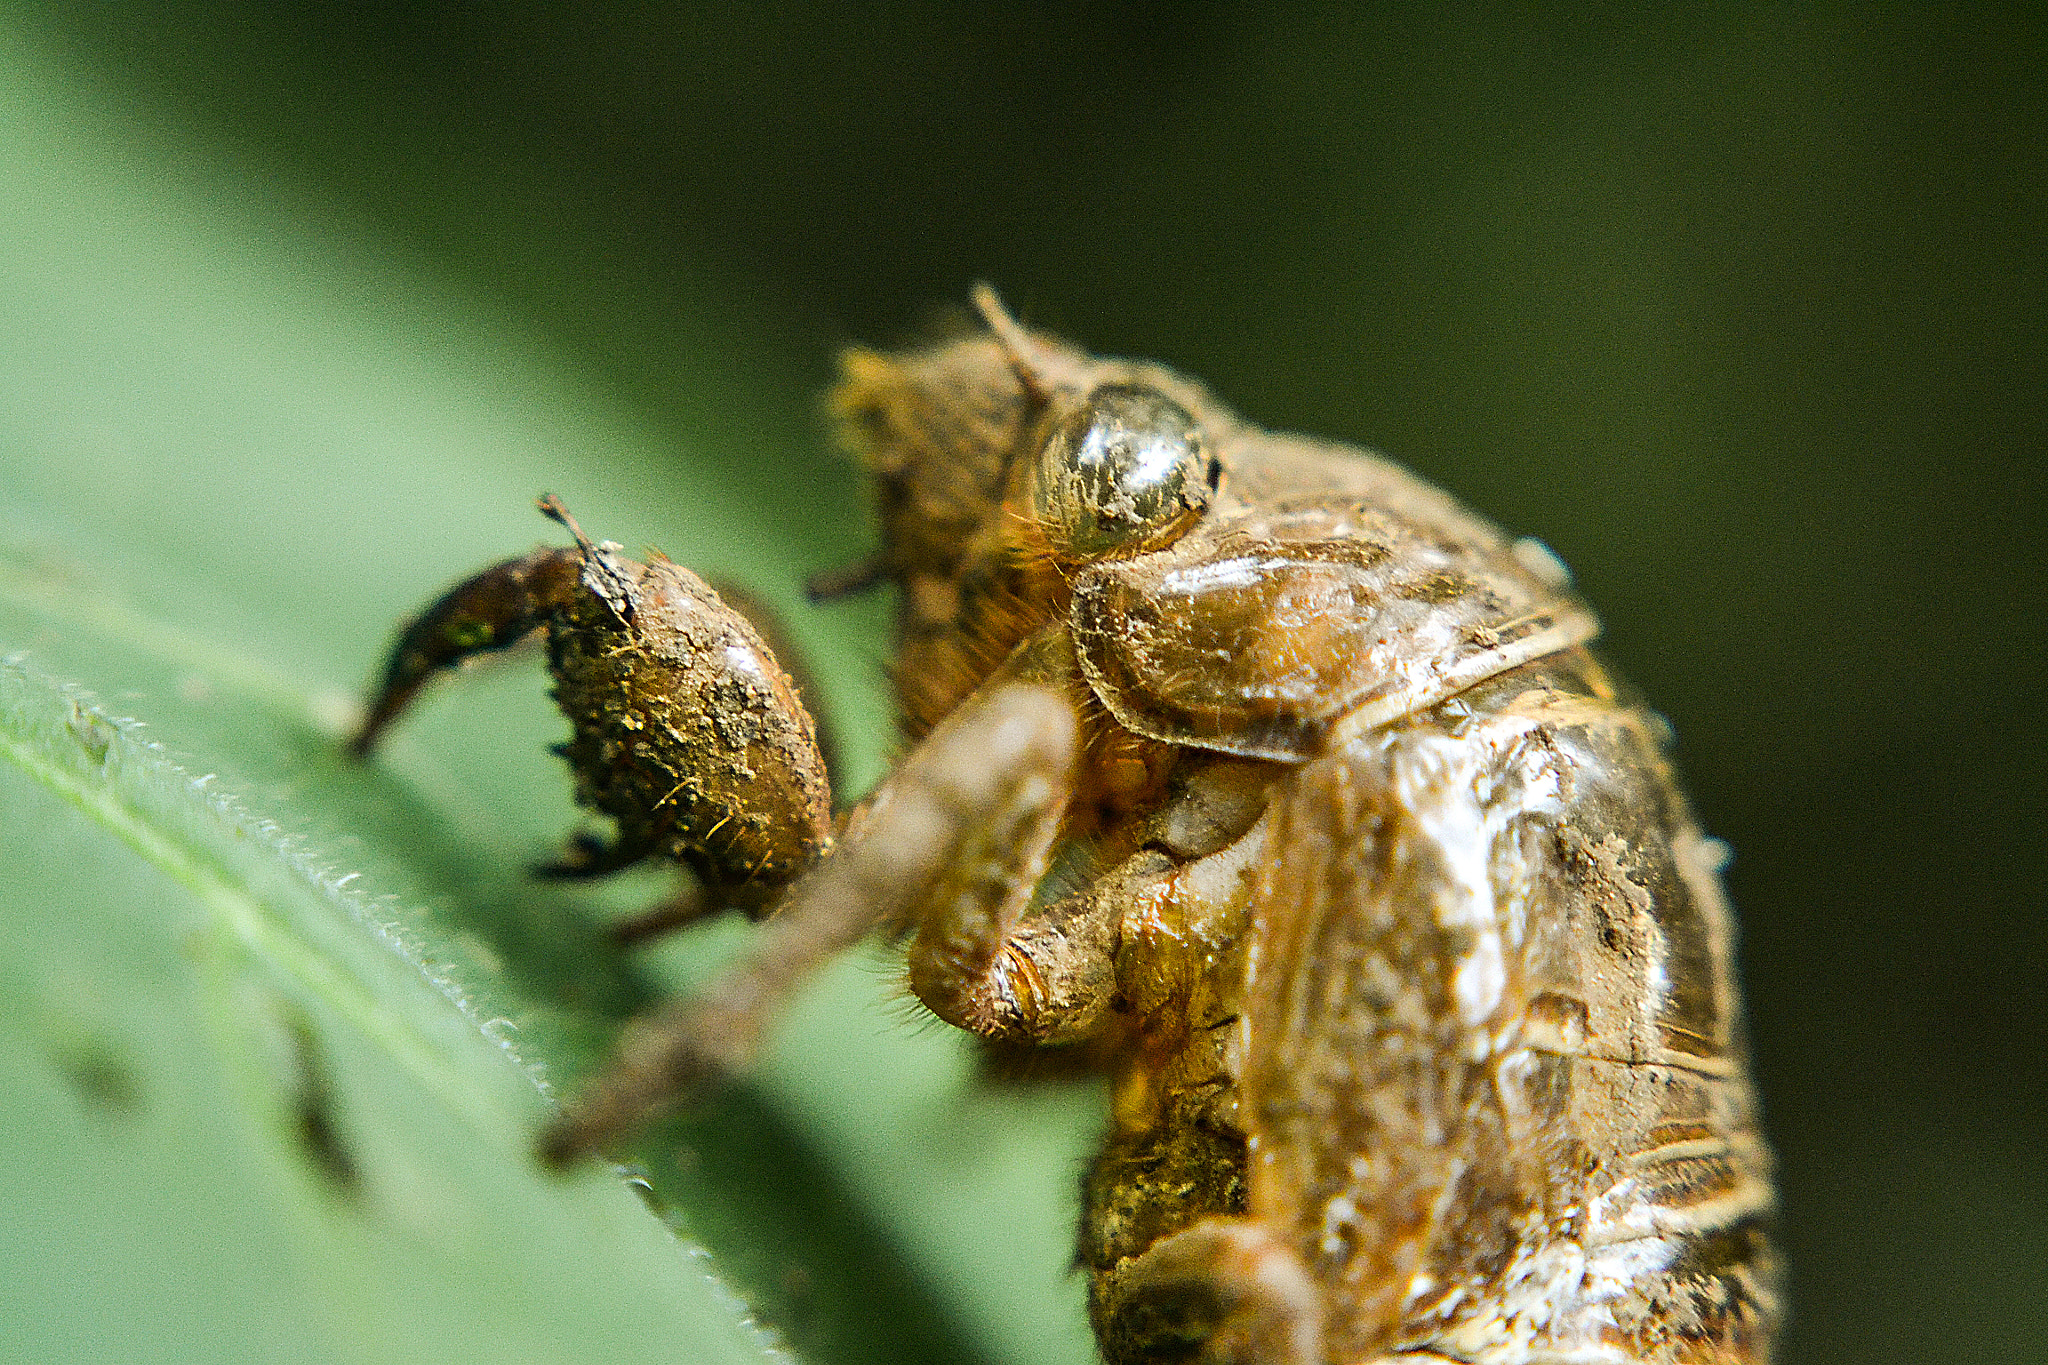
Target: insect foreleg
<point x="1228" y="1283"/>
<point x="1048" y="979"/>
<point x="963" y="824"/>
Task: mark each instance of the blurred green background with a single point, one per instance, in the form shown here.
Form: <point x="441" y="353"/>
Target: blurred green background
<point x="1740" y="309"/>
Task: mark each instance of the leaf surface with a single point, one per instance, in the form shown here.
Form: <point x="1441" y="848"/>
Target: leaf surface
<point x="280" y="1027"/>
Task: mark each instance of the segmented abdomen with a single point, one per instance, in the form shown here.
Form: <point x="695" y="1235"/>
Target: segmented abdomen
<point x="1495" y="1076"/>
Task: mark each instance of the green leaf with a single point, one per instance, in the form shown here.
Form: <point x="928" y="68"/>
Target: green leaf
<point x="279" y="1027"/>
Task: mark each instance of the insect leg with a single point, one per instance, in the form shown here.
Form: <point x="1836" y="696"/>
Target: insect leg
<point x="493" y="610"/>
<point x="968" y="815"/>
<point x="1229" y="1283"/>
<point x="689" y="905"/>
<point x="782" y="643"/>
<point x="1056" y="970"/>
<point x="1049" y="979"/>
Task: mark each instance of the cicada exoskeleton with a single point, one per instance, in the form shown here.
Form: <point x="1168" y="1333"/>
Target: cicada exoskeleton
<point x="1287" y="791"/>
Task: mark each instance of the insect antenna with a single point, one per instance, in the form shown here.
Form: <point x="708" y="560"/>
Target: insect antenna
<point x="603" y="571"/>
<point x="1020" y="348"/>
<point x="551" y="507"/>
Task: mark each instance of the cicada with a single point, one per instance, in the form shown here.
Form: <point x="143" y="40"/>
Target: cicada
<point x="1259" y="773"/>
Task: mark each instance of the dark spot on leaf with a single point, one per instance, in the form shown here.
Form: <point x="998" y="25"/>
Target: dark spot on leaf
<point x="102" y="1077"/>
<point x="323" y="1144"/>
<point x="310" y="1104"/>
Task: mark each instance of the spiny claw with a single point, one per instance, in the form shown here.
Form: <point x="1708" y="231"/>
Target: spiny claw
<point x="490" y="611"/>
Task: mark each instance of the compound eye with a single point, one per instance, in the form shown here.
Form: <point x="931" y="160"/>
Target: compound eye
<point x="1127" y="473"/>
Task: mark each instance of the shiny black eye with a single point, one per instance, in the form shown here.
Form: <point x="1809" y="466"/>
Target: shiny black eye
<point x="1126" y="473"/>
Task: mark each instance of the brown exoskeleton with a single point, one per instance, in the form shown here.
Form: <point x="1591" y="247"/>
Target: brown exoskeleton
<point x="1283" y="781"/>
